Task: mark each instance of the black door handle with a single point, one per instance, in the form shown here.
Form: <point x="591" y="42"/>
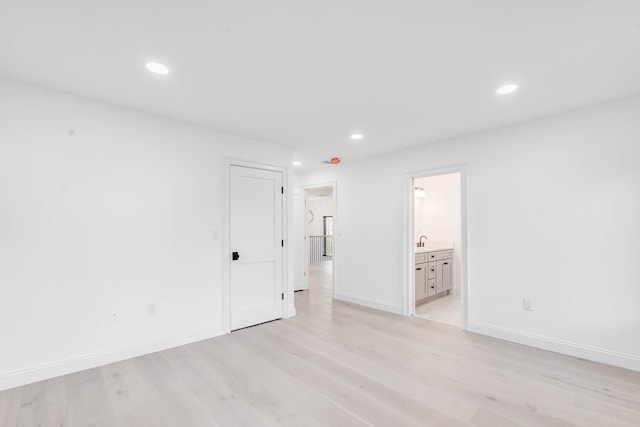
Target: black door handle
<point x="235" y="256"/>
<point x="418" y="269"/>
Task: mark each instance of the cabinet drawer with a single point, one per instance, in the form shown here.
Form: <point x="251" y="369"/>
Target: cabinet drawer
<point x="444" y="254"/>
<point x="421" y="258"/>
<point x="431" y="270"/>
<point x="431" y="287"/>
<point x="431" y="256"/>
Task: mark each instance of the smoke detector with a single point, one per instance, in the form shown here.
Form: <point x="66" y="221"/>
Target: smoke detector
<point x="333" y="161"/>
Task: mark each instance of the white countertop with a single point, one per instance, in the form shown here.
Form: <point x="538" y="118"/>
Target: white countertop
<point x="433" y="248"/>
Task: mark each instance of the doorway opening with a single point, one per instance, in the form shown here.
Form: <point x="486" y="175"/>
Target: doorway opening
<point x="438" y="247"/>
<point x="319" y="241"/>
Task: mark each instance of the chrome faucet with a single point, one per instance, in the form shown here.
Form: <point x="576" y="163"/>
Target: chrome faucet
<point x="420" y="244"/>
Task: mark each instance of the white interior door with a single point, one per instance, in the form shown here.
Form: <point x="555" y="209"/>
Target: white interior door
<point x="256" y="273"/>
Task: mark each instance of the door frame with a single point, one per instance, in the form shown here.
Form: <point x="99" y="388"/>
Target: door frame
<point x="334" y="199"/>
<point x="409" y="254"/>
<point x="288" y="310"/>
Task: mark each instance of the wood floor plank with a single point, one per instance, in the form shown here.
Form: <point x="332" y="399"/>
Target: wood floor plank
<point x="176" y="405"/>
<point x="88" y="402"/>
<point x="206" y="385"/>
<point x="486" y="418"/>
<point x="407" y="384"/>
<point x="133" y="401"/>
<point x="10" y="402"/>
<point x="413" y="405"/>
<point x="43" y="404"/>
<point x="493" y="352"/>
<point x="457" y="382"/>
<point x="280" y="396"/>
<point x="590" y="405"/>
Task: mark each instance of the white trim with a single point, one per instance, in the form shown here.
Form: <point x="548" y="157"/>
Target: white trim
<point x="62" y="367"/>
<point x="334" y="201"/>
<point x="623" y="360"/>
<point x="298" y="191"/>
<point x="288" y="233"/>
<point x="226" y="238"/>
<point x="288" y="308"/>
<point x="409" y="277"/>
<point x="369" y="303"/>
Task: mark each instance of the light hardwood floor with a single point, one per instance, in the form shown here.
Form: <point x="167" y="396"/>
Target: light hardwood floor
<point x="336" y="364"/>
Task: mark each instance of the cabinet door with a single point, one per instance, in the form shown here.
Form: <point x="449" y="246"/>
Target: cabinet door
<point x="421" y="281"/>
<point x="447" y="279"/>
<point x="443" y="275"/>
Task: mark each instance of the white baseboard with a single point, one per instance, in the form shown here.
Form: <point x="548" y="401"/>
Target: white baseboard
<point x="370" y="303"/>
<point x="627" y="361"/>
<point x="63" y="367"/>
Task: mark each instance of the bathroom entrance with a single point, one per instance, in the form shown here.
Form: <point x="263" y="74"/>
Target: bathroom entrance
<point x="437" y="239"/>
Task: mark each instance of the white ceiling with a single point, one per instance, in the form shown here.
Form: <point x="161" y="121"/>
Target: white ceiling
<point x="308" y="73"/>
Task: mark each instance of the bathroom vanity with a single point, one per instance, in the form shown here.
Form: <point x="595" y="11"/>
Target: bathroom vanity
<point x="433" y="270"/>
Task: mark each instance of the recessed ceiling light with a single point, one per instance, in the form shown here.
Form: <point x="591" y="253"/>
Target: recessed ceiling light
<point x="296" y="163"/>
<point x="503" y="90"/>
<point x="157" y="68"/>
<point x="356" y="136"/>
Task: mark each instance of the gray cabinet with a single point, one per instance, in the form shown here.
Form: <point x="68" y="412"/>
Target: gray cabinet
<point x="433" y="273"/>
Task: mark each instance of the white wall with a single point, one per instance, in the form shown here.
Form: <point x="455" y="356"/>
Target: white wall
<point x="437" y="216"/>
<point x="117" y="215"/>
<point x="554" y="215"/>
<point x="320" y="206"/>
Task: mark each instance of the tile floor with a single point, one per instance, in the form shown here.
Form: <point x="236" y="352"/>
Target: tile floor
<point x="447" y="309"/>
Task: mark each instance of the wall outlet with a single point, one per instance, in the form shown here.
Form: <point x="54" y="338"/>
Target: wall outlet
<point x="114" y="315"/>
<point x="151" y="310"/>
<point x="527" y="304"/>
